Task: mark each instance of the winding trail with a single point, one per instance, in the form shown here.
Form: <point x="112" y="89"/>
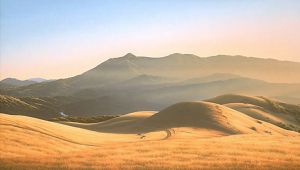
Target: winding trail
<point x="170" y="132"/>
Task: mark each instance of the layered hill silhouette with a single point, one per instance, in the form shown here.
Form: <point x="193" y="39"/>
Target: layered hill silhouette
<point x="13" y="83"/>
<point x="180" y="66"/>
<point x="155" y="83"/>
<point x="236" y="116"/>
<point x="10" y="83"/>
<point x="200" y="116"/>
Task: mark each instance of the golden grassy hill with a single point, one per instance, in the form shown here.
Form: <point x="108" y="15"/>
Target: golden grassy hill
<point x="188" y="135"/>
<point x="202" y="116"/>
<point x="281" y="114"/>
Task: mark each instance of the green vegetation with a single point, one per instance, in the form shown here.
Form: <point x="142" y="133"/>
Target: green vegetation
<point x="93" y="119"/>
<point x="39" y="107"/>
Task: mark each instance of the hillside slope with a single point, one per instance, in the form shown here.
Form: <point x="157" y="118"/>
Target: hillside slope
<point x="40" y="107"/>
<point x="202" y="116"/>
<point x="281" y="114"/>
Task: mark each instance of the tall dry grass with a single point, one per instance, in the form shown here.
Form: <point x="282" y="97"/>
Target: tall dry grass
<point x="28" y="143"/>
<point x="231" y="152"/>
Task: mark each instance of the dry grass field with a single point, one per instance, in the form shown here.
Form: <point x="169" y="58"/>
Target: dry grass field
<point x="207" y="136"/>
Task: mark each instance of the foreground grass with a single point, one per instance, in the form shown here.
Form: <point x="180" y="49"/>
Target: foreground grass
<point x="231" y="152"/>
<point x="29" y="143"/>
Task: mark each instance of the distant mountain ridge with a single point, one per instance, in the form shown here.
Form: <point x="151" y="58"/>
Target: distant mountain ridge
<point x="131" y="83"/>
<point x="176" y="66"/>
<point x="189" y="65"/>
<point x="13" y="82"/>
<point x="10" y="83"/>
<point x="16" y="82"/>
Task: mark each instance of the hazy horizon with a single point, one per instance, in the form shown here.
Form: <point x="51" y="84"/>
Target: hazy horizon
<point x="58" y="39"/>
<point x="96" y="64"/>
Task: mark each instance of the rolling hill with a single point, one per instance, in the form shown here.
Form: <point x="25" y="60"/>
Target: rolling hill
<point x="281" y="114"/>
<point x="176" y="135"/>
<point x="202" y="115"/>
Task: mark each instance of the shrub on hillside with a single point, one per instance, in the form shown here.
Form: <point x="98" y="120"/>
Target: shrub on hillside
<point x="93" y="119"/>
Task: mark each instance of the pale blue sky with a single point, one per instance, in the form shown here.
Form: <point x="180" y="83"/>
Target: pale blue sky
<point x="61" y="38"/>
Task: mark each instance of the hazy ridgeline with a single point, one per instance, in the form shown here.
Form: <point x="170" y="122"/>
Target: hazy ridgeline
<point x="151" y="84"/>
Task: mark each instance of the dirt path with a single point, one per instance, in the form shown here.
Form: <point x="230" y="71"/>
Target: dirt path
<point x="169" y="132"/>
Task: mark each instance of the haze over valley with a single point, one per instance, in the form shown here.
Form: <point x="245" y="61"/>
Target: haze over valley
<point x="154" y="83"/>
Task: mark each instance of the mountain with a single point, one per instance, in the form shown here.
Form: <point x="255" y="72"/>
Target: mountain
<point x="132" y="83"/>
<point x="189" y="66"/>
<point x="12" y="82"/>
<point x="174" y="66"/>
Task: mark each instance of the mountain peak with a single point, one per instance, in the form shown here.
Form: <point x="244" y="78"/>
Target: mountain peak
<point x="129" y="55"/>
